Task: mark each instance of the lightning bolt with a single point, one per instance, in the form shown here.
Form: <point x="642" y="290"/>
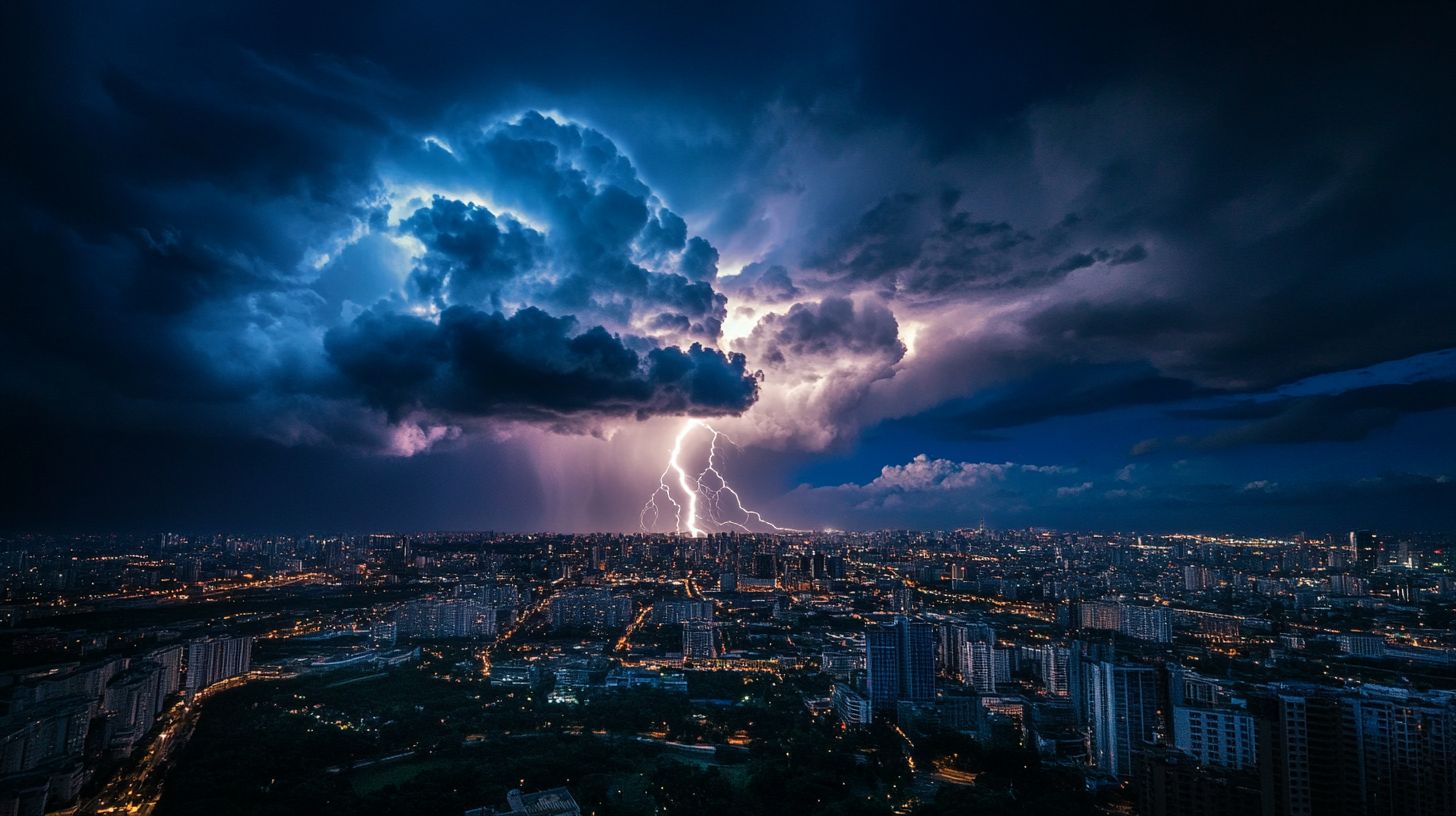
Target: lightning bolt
<point x="709" y="485"/>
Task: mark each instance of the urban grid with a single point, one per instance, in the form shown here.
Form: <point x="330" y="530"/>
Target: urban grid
<point x="1170" y="674"/>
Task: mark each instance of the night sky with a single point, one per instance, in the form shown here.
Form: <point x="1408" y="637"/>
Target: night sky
<point x="371" y="266"/>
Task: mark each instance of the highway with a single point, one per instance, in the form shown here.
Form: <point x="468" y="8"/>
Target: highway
<point x="137" y="788"/>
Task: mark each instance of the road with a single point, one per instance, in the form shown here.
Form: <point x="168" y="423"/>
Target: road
<point x="525" y="620"/>
<point x="137" y="788"/>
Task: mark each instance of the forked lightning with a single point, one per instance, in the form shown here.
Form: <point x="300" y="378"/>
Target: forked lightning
<point x="706" y="489"/>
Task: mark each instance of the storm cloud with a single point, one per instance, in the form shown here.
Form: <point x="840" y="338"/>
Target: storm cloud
<point x="474" y="363"/>
<point x="978" y="234"/>
<point x="1347" y="416"/>
<point x="200" y="318"/>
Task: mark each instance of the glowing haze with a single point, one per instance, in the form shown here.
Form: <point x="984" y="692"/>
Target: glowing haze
<point x="763" y="268"/>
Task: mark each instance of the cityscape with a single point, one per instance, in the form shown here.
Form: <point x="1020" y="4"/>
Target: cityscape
<point x="970" y="670"/>
<point x="472" y="408"/>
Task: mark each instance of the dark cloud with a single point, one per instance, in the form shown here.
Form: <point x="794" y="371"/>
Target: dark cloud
<point x="665" y="233"/>
<point x="833" y="326"/>
<point x="1066" y="390"/>
<point x="473" y="363"/>
<point x="1131" y="321"/>
<point x="1224" y="203"/>
<point x="760" y="282"/>
<point x="470" y="254"/>
<point x="919" y="247"/>
<point x="192" y="284"/>
<point x="1345" y="417"/>
<point x="700" y="260"/>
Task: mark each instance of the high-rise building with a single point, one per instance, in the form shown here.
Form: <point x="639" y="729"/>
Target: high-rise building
<point x="1126" y="700"/>
<point x="1221" y="736"/>
<point x="593" y="608"/>
<point x="434" y="618"/>
<point x="44" y="739"/>
<point x="1377" y="750"/>
<point x="169" y="682"/>
<point x="1409" y="744"/>
<point x="950" y="648"/>
<point x="954" y="639"/>
<point x="853" y="708"/>
<point x="384" y="633"/>
<point x="900" y="662"/>
<point x="1081" y="657"/>
<point x="213" y="659"/>
<point x="819" y="565"/>
<point x="700" y="640"/>
<point x="1150" y="623"/>
<point x="917" y="660"/>
<point x="1365" y="550"/>
<point x="1054" y="660"/>
<point x="765" y="566"/>
<point x="1309" y="759"/>
<point x="678" y="610"/>
<point x="1173" y="784"/>
<point x="882" y="665"/>
<point x="985" y="666"/>
<point x="132" y="701"/>
<point x="904" y="598"/>
<point x="980" y="633"/>
<point x="1105" y="615"/>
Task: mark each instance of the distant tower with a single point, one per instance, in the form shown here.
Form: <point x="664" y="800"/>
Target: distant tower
<point x="979" y="658"/>
<point x="1365" y="550"/>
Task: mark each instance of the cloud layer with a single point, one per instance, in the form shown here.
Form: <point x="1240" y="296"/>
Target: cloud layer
<point x="387" y="307"/>
<point x="977" y="234"/>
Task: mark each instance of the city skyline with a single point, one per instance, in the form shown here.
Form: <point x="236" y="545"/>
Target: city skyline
<point x="480" y="268"/>
<point x="892" y="673"/>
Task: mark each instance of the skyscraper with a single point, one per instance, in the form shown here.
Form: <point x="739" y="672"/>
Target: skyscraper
<point x="1124" y="707"/>
<point x="1054" y="660"/>
<point x="1309" y="761"/>
<point x="900" y="662"/>
<point x="882" y="665"/>
<point x="979" y="667"/>
<point x="917" y="660"/>
<point x="1365" y="550"/>
<point x="949" y="649"/>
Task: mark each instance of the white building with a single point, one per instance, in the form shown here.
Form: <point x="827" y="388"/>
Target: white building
<point x="1223" y="737"/>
